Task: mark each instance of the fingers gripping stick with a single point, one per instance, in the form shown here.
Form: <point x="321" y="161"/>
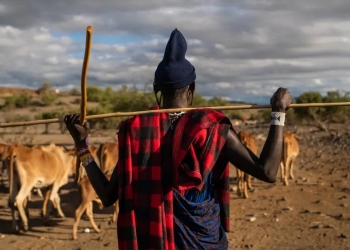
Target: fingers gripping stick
<point x="84" y="75"/>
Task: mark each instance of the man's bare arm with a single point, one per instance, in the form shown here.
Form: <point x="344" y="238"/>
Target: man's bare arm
<point x="264" y="168"/>
<point x="106" y="190"/>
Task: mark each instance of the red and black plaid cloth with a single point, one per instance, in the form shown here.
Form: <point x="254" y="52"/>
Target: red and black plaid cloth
<point x="149" y="161"/>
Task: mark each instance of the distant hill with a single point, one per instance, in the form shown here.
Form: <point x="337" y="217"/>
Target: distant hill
<point x="244" y="103"/>
<point x="6" y="91"/>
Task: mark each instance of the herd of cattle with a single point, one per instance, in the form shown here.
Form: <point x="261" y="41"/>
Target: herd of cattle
<point x="30" y="168"/>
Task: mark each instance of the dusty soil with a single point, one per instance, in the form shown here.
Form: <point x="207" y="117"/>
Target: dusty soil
<point x="311" y="213"/>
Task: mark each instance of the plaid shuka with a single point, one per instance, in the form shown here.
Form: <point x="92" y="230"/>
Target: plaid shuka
<point x="147" y="174"/>
<point x="202" y="172"/>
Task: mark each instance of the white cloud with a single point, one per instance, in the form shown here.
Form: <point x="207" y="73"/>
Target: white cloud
<point x="240" y="49"/>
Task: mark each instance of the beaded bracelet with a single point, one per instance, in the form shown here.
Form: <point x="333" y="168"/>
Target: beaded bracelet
<point x="84" y="155"/>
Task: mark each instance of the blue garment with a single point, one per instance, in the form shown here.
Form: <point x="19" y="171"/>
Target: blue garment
<point x="197" y="223"/>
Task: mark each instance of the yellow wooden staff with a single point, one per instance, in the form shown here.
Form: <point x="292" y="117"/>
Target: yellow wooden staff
<point x="83" y="100"/>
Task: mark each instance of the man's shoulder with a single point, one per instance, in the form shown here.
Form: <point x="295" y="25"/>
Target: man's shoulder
<point x="205" y="117"/>
<point x="137" y="119"/>
<point x="205" y="113"/>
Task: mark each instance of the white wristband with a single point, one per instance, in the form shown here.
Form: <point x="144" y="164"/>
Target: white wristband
<point x="277" y="118"/>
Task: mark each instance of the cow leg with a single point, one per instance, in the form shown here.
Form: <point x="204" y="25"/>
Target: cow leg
<point x="50" y="202"/>
<point x="12" y="206"/>
<point x="249" y="182"/>
<point x="115" y="213"/>
<point x="20" y="201"/>
<point x="89" y="213"/>
<point x="286" y="171"/>
<point x="78" y="213"/>
<point x="15" y="228"/>
<point x="291" y="168"/>
<point x="239" y="183"/>
<point x="25" y="204"/>
<point x="116" y="210"/>
<point x="282" y="171"/>
<point x="46" y="198"/>
<point x="245" y="186"/>
<point x="57" y="205"/>
<point x="12" y="202"/>
<point x="100" y="204"/>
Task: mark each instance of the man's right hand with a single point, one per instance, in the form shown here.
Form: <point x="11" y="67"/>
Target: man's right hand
<point x="78" y="133"/>
<point x="281" y="100"/>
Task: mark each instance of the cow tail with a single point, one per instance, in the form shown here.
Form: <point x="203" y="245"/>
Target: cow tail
<point x="11" y="174"/>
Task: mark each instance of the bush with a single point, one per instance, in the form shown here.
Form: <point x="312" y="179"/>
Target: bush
<point x="95" y="94"/>
<point x="106" y="123"/>
<point x="131" y="99"/>
<point x="321" y="116"/>
<point x="17" y="101"/>
<point x="17" y="118"/>
<point x="49" y="98"/>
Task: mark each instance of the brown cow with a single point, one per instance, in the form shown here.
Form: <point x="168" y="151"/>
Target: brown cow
<point x="108" y="156"/>
<point x="36" y="167"/>
<point x="290" y="152"/>
<point x="243" y="179"/>
<point x="88" y="195"/>
<point x="71" y="163"/>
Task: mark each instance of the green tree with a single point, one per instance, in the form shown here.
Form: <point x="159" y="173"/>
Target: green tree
<point x="336" y="113"/>
<point x="44" y="88"/>
<point x="94" y="93"/>
<point x="312" y="115"/>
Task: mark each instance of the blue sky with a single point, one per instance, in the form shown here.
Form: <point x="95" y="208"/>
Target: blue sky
<point x="242" y="50"/>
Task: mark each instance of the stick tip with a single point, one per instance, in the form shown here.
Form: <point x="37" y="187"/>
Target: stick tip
<point x="89" y="28"/>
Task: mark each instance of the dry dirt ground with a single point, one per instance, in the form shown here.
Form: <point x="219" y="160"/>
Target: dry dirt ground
<point x="311" y="213"/>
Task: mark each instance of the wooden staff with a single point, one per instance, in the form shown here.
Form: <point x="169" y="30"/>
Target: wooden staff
<point x="83" y="100"/>
<point x="121" y="114"/>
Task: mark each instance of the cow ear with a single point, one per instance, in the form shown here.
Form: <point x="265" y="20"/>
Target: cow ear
<point x="300" y="138"/>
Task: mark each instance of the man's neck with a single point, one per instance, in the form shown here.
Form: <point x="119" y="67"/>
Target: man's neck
<point x="173" y="105"/>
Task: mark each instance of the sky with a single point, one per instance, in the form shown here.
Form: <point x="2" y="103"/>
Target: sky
<point x="242" y="50"/>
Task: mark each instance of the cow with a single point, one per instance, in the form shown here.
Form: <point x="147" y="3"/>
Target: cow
<point x="36" y="167"/>
<point x="290" y="152"/>
<point x="243" y="179"/>
<point x="88" y="195"/>
<point x="108" y="156"/>
<point x="71" y="163"/>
